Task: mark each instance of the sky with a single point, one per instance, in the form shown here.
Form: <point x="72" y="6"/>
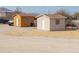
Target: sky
<point x="45" y="9"/>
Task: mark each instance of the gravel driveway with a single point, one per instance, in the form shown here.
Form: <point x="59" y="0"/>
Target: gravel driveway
<point x="9" y="43"/>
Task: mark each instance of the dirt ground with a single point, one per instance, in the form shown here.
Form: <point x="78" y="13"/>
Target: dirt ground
<point x="29" y="39"/>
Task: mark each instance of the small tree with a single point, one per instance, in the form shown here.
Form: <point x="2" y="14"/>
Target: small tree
<point x="17" y="10"/>
<point x="76" y="15"/>
<point x="64" y="13"/>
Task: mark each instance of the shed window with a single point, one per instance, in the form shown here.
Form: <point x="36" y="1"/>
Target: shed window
<point x="57" y="21"/>
<point x="27" y="19"/>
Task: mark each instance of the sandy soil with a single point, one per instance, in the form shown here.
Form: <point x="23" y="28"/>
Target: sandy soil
<point x="26" y="39"/>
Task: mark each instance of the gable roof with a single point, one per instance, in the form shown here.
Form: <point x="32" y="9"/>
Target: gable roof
<point x="51" y="15"/>
<point x="57" y="16"/>
<point x="22" y="14"/>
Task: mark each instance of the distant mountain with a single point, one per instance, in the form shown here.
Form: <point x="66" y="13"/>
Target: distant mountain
<point x="2" y="9"/>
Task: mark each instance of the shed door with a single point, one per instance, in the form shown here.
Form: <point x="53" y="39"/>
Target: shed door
<point x="17" y="21"/>
<point x="43" y="24"/>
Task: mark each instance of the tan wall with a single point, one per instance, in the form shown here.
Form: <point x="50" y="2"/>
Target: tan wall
<point x="54" y="26"/>
<point x="50" y="24"/>
<point x="2" y="14"/>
